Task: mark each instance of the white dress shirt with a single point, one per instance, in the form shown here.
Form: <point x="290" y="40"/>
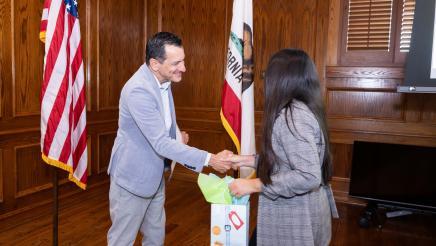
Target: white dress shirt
<point x="167" y="112"/>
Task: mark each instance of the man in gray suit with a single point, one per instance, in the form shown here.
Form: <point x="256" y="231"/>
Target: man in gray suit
<point x="146" y="142"/>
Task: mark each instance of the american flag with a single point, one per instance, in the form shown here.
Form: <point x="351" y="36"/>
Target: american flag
<point x="63" y="110"/>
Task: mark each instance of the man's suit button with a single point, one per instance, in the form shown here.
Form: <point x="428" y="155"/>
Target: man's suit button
<point x="190" y="167"/>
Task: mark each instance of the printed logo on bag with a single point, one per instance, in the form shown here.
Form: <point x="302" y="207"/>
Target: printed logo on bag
<point x="216" y="230"/>
<point x="217" y="243"/>
<point x="227" y="227"/>
<point x="234" y="216"/>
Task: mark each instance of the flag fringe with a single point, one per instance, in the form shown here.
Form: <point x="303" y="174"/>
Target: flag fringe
<point x="230" y="131"/>
<point x="42" y="36"/>
<point x="65" y="167"/>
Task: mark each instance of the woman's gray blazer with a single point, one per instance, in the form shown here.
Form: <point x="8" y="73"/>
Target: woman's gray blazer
<point x="296" y="209"/>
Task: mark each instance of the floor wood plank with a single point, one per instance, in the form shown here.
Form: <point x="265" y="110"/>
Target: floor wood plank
<point x="84" y="220"/>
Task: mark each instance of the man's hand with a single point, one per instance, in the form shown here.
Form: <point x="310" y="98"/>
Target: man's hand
<point x="219" y="162"/>
<point x="185" y="137"/>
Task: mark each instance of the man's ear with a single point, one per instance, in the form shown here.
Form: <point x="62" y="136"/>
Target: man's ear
<point x="154" y="64"/>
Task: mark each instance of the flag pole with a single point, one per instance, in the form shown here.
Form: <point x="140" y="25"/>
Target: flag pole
<point x="55" y="206"/>
<point x="60" y="24"/>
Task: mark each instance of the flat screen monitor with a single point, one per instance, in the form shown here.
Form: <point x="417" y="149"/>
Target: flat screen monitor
<point x="420" y="71"/>
<point x="394" y="174"/>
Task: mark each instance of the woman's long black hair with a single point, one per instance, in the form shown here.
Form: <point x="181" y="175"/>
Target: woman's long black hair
<point x="290" y="75"/>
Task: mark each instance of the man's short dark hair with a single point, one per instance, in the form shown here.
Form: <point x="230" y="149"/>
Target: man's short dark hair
<point x="156" y="46"/>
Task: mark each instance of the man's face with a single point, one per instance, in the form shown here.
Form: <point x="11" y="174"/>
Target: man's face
<point x="172" y="68"/>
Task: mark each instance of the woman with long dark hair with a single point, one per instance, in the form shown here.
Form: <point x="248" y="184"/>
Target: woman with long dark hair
<point x="294" y="166"/>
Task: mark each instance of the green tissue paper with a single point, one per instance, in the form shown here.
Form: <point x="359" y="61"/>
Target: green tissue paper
<point x="214" y="189"/>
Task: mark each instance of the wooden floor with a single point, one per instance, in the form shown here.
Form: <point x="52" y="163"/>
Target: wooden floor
<point x="84" y="220"/>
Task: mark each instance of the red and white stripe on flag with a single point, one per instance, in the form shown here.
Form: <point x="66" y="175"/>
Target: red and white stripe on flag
<point x="237" y="107"/>
<point x="63" y="110"/>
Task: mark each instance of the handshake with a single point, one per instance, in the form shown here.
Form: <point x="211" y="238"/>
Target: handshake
<point x="225" y="160"/>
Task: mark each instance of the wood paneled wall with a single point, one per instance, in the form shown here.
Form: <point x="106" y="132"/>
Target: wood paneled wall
<point x="113" y="36"/>
<point x="361" y="101"/>
<point x="362" y="104"/>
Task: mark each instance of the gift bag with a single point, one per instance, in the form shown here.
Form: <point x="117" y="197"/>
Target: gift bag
<point x="229" y="225"/>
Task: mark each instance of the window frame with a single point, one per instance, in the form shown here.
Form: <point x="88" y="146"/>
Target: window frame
<point x="393" y="57"/>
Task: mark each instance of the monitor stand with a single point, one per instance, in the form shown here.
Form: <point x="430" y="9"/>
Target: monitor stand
<point x="370" y="216"/>
<point x="398" y="213"/>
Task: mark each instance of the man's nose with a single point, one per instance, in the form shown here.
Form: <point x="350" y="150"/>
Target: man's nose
<point x="182" y="68"/>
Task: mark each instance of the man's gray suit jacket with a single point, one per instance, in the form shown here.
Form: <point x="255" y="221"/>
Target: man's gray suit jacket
<point x="142" y="142"/>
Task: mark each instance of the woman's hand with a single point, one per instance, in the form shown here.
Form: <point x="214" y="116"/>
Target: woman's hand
<point x="242" y="187"/>
<point x="241" y="161"/>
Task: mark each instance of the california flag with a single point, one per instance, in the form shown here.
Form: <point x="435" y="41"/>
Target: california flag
<point x="237" y="108"/>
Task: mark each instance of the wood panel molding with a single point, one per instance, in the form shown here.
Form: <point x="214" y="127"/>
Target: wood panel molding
<point x="377" y="127"/>
<point x="348" y="137"/>
<point x="121" y="49"/>
<point x="321" y="42"/>
<point x="1" y="80"/>
<point x="153" y="17"/>
<point x="206" y="123"/>
<point x="382" y="105"/>
<point x="85" y="9"/>
<point x="210" y="115"/>
<point x="31" y="173"/>
<point x="1" y="176"/>
<point x="425" y="107"/>
<point x="105" y="141"/>
<point x="334" y="28"/>
<point x="365" y="72"/>
<point x="363" y="102"/>
<point x="341" y="155"/>
<point x="5" y="55"/>
<point x="27" y="57"/>
<point x="202" y="27"/>
<point x="362" y="84"/>
<point x="19" y="136"/>
<point x="198" y="113"/>
<point x="89" y="154"/>
<point x="14" y="131"/>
